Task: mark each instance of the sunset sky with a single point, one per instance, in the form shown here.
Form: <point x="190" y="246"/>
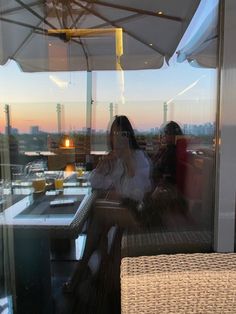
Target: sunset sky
<point x="35" y="96"/>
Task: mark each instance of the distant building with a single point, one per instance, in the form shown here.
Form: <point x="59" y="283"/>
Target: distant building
<point x="34" y="129"/>
<point x="14" y="131"/>
<point x="84" y="130"/>
<point x="154" y="130"/>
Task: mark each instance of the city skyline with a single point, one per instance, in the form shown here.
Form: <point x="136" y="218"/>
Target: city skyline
<point x="195" y="129"/>
<point x="40" y="143"/>
<point x="143" y="114"/>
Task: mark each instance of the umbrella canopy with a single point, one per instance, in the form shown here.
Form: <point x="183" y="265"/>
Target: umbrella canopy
<point x="151" y="31"/>
<point x="202" y="49"/>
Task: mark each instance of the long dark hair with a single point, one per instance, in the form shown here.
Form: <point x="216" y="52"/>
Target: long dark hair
<point x="123" y="124"/>
<point x="172" y="128"/>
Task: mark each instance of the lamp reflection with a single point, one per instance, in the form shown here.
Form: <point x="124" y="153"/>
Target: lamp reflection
<point x="67" y="142"/>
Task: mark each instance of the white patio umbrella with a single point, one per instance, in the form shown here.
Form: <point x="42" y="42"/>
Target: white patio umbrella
<point x="202" y="49"/>
<point x="88" y="35"/>
<point x="151" y="31"/>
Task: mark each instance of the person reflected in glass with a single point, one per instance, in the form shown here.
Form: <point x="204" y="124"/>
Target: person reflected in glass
<point x="122" y="178"/>
<point x="167" y="207"/>
<point x="164" y="162"/>
<point x="125" y="171"/>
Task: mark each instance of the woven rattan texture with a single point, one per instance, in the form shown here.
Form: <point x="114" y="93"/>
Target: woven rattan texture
<point x="180" y="283"/>
<point x="151" y="243"/>
<point x="82" y="214"/>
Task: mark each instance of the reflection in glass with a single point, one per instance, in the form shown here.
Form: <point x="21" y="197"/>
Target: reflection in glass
<point x="166" y="208"/>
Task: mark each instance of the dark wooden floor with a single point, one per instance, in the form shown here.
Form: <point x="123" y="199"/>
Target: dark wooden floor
<point x="99" y="295"/>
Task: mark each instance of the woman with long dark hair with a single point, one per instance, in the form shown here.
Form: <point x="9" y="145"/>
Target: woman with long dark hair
<point x="164" y="162"/>
<point x="124" y="176"/>
<point x="167" y="206"/>
<point x="126" y="168"/>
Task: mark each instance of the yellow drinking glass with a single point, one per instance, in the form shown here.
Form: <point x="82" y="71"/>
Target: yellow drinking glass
<point x="59" y="183"/>
<point x="80" y="170"/>
<point x="39" y="185"/>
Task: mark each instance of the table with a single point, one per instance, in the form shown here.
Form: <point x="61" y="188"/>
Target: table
<point x="33" y="221"/>
<point x="71" y="179"/>
<point x="34" y="210"/>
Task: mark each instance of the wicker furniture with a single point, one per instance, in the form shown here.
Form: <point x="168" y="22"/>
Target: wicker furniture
<point x="166" y="242"/>
<point x="181" y="283"/>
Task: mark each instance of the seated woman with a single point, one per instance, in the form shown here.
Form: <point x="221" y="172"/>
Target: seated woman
<point x="164" y="162"/>
<point x="124" y="176"/>
<point x="166" y="203"/>
<point x="125" y="171"/>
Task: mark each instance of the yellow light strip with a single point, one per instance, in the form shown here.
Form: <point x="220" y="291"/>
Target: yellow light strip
<point x="119" y="47"/>
<point x="83" y="32"/>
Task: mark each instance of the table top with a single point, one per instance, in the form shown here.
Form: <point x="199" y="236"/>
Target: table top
<point x="71" y="179"/>
<point x="35" y="210"/>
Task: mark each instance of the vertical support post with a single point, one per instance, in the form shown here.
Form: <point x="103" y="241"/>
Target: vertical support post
<point x="59" y="118"/>
<point x="89" y="111"/>
<point x="6" y="152"/>
<point x="119" y="47"/>
<point x="119" y="53"/>
<point x="224" y="226"/>
<point x="8" y="123"/>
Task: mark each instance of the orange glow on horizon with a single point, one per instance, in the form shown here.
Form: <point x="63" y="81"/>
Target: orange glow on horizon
<point x="143" y="115"/>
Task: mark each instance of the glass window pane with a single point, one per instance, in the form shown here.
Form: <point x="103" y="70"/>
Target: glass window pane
<point x="107" y="146"/>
